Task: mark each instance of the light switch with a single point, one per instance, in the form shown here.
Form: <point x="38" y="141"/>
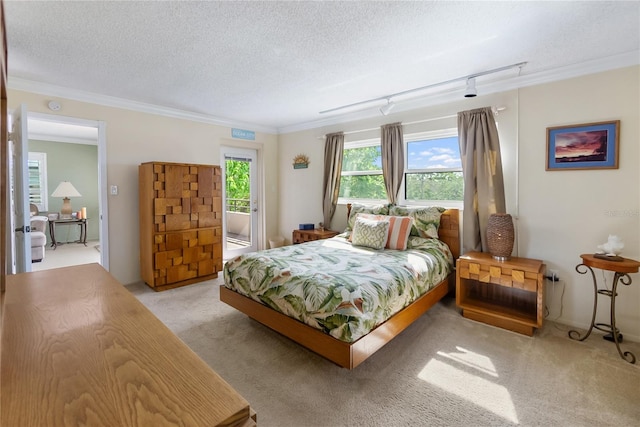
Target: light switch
<point x="114" y="190"/>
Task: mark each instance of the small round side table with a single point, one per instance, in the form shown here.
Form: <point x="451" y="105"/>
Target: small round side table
<point x="621" y="268"/>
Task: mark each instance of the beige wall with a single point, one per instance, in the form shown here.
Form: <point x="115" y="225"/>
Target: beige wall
<point x="567" y="213"/>
<point x="301" y="190"/>
<point x="559" y="215"/>
<point x="134" y="138"/>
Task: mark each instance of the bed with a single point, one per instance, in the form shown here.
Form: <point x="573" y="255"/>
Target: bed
<point x="355" y="327"/>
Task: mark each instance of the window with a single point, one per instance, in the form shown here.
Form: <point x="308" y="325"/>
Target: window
<point x="362" y="171"/>
<point x="37" y="175"/>
<point x="433" y="170"/>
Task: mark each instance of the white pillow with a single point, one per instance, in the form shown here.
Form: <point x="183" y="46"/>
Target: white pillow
<point x="370" y="233"/>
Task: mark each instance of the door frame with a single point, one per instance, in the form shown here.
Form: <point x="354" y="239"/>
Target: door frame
<point x="19" y="259"/>
<point x="103" y="214"/>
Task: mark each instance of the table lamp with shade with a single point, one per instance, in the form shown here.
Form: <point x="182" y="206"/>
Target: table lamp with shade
<point x="65" y="190"/>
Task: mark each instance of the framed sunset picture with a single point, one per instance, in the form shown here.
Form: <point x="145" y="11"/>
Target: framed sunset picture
<point x="587" y="146"/>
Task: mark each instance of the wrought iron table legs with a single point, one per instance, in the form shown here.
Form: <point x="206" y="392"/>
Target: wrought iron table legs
<point x="611" y="328"/>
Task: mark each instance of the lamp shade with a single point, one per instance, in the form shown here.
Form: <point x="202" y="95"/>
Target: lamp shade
<point x="65" y="189"/>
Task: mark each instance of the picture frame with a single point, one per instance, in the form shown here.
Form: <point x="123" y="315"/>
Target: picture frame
<point x="583" y="146"/>
<point x="301" y="161"/>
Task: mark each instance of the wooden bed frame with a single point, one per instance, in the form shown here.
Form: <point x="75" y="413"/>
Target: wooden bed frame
<point x="350" y="355"/>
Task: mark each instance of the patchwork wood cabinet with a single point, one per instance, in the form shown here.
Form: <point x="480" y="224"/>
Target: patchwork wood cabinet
<point x="180" y="223"/>
<point x="508" y="294"/>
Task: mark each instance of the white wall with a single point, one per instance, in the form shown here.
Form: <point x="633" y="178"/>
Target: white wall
<point x="134" y="138"/>
<point x="559" y="215"/>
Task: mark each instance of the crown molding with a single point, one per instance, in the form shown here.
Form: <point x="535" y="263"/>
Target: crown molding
<point x="626" y="59"/>
<point x="17" y="83"/>
<point x="435" y="98"/>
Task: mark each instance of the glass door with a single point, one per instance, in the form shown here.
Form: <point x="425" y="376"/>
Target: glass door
<point x="240" y="201"/>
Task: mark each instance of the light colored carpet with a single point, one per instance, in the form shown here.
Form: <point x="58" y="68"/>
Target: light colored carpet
<point x="66" y="255"/>
<point x="444" y="370"/>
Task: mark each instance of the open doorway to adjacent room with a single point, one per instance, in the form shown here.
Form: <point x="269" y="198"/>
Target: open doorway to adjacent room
<point x="68" y="150"/>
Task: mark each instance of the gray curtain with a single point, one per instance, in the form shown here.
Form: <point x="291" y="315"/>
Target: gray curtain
<point x="333" y="145"/>
<point x="482" y="171"/>
<point x="392" y="145"/>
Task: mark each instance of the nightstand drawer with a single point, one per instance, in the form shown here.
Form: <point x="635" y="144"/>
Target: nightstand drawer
<point x="499" y="275"/>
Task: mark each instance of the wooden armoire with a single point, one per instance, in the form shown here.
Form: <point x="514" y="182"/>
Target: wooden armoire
<point x="180" y="223"/>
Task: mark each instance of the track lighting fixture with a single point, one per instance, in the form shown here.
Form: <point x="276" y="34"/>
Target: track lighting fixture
<point x="385" y="109"/>
<point x="470" y="91"/>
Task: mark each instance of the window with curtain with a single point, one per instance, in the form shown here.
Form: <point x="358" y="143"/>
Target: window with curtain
<point x="37" y="166"/>
<point x="361" y="177"/>
<point x="433" y="170"/>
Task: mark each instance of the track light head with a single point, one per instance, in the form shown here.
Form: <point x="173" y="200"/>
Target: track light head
<point x="470" y="91"/>
<point x="385" y="109"/>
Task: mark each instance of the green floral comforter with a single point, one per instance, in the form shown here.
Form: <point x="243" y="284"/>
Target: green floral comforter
<point x="343" y="290"/>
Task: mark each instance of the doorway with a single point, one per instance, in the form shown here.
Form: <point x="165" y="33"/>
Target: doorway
<point x="240" y="201"/>
<point x="73" y="150"/>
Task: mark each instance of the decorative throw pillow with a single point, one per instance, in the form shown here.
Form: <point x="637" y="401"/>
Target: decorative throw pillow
<point x="357" y="208"/>
<point x="426" y="220"/>
<point x="399" y="229"/>
<point x="370" y="233"/>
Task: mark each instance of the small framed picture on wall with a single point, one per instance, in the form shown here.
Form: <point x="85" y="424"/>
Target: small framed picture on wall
<point x="585" y="146"/>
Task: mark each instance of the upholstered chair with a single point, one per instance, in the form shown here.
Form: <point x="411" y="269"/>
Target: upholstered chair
<point x="38" y="235"/>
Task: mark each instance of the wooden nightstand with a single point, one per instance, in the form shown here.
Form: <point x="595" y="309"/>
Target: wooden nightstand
<point x="508" y="294"/>
<point x="301" y="236"/>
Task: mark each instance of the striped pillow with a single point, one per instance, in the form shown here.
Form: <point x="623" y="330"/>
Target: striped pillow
<point x="399" y="229"/>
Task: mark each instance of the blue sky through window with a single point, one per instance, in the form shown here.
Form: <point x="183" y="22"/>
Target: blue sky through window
<point x="434" y="153"/>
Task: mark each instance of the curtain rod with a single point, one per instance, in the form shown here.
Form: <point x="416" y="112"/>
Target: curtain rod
<point x="496" y="111"/>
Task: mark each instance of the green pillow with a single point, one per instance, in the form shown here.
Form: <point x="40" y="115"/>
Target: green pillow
<point x="357" y="208"/>
<point x="370" y="233"/>
<point x="426" y="220"/>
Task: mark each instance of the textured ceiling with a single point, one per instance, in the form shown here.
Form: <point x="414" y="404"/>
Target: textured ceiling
<point x="278" y="64"/>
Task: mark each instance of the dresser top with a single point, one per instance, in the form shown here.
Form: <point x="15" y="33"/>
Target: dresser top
<point x="79" y="348"/>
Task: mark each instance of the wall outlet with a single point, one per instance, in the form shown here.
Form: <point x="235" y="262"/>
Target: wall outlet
<point x="114" y="190"/>
<point x="552" y="275"/>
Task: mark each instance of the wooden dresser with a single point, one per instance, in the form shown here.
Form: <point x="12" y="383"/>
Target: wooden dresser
<point x="79" y="349"/>
<point x="180" y="223"/>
